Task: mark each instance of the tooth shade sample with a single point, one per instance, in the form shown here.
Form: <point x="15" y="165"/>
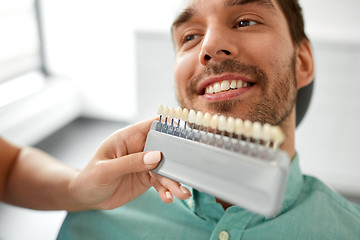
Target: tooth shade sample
<point x="192" y="116"/>
<point x="178" y="113"/>
<point x="277" y="135"/>
<point x="239" y="126"/>
<point x="185" y="115"/>
<point x="266" y="132"/>
<point x="206" y="119"/>
<point x="256" y="131"/>
<point x="160" y="110"/>
<point x="214" y="122"/>
<point x="222" y="123"/>
<point x="172" y="112"/>
<point x="166" y="111"/>
<point x="230" y="125"/>
<point x="225" y="85"/>
<point x="247" y="128"/>
<point x="199" y="118"/>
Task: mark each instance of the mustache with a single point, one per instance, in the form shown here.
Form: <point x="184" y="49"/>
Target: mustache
<point x="229" y="66"/>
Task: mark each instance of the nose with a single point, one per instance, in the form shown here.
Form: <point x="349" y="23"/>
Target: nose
<point x="217" y="46"/>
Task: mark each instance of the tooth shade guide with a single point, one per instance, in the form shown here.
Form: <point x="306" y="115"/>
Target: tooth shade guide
<point x="235" y="131"/>
<point x="180" y="154"/>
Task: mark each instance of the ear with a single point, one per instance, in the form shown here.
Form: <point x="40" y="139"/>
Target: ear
<point x="304" y="64"/>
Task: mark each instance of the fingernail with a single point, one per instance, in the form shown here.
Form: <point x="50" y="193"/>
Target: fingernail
<point x="152" y="157"/>
<point x="168" y="195"/>
<point x="185" y="190"/>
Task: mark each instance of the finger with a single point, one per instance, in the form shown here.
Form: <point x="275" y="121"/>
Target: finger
<point x="172" y="186"/>
<point x="164" y="193"/>
<point x="125" y="141"/>
<point x="136" y="162"/>
<point x="133" y="136"/>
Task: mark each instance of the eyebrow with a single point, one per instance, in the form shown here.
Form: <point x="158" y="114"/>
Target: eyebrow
<point x="188" y="13"/>
<point x="185" y="16"/>
<point x="232" y="3"/>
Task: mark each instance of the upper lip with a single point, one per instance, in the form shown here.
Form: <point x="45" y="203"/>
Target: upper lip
<point x="204" y="83"/>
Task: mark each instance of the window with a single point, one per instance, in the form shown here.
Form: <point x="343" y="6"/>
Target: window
<point x="20" y="50"/>
<point x="20" y="42"/>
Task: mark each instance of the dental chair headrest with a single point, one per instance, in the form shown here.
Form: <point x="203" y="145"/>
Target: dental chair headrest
<point x="303" y="102"/>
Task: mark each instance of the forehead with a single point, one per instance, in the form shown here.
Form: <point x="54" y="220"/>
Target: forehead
<point x="189" y="8"/>
<point x="226" y="3"/>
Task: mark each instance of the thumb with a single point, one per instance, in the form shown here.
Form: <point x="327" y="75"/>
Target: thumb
<point x="136" y="162"/>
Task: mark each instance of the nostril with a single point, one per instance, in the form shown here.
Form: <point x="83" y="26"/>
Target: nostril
<point x="226" y="52"/>
<point x="207" y="57"/>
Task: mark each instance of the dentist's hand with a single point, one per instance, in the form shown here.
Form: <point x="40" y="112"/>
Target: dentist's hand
<point x="119" y="172"/>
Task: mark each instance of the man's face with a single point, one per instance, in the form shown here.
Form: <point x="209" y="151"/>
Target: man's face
<point x="235" y="58"/>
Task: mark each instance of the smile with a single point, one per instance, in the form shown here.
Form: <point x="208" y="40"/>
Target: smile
<point x="225" y="86"/>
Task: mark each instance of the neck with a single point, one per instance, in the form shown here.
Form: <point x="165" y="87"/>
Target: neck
<point x="288" y="126"/>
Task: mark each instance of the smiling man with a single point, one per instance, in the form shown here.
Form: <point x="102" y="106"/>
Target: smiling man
<point x="240" y="58"/>
<point x="246" y="59"/>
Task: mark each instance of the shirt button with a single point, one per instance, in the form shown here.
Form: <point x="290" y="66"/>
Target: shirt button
<point x="224" y="235"/>
<point x="190" y="203"/>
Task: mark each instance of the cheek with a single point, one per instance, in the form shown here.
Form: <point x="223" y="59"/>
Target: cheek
<point x="184" y="70"/>
<point x="268" y="51"/>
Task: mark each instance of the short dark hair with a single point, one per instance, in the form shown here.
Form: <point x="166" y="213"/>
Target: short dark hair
<point x="294" y="17"/>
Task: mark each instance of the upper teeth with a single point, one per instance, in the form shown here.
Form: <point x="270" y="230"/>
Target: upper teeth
<point x="225" y="86"/>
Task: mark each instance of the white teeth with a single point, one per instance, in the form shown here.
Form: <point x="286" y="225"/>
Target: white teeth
<point x="211" y="89"/>
<point x="264" y="134"/>
<point x="217" y="87"/>
<point x="225" y="85"/>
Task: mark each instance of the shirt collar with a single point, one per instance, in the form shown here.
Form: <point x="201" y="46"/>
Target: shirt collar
<point x="293" y="186"/>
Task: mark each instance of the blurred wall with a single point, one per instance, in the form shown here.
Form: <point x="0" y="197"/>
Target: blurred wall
<point x="93" y="42"/>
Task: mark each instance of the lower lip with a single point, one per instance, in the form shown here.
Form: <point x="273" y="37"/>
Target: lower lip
<point x="228" y="95"/>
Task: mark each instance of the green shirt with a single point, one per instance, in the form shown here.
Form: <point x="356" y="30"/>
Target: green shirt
<point x="310" y="211"/>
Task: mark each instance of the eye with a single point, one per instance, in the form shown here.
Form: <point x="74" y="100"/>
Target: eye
<point x="245" y="23"/>
<point x="188" y="38"/>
